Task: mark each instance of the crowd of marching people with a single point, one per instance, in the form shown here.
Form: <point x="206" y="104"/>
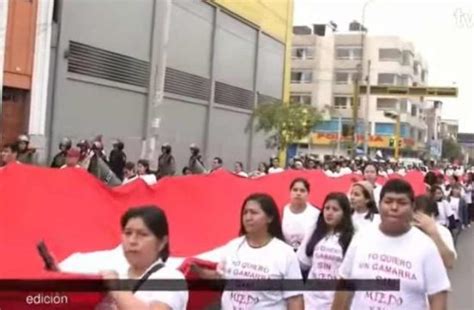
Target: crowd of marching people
<point x="370" y="232"/>
<point x="352" y="236"/>
<point x="92" y="156"/>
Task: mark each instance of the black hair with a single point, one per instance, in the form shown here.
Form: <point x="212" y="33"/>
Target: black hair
<point x="219" y="160"/>
<point x="301" y="180"/>
<point x="371" y="205"/>
<point x="264" y="166"/>
<point x="373" y="165"/>
<point x="434" y="189"/>
<point x="185" y="169"/>
<point x="269" y="207"/>
<point x="241" y="165"/>
<point x="427" y="205"/>
<point x="155" y="220"/>
<point x="398" y="186"/>
<point x="120" y="146"/>
<point x="345" y="227"/>
<point x="129" y="165"/>
<point x="431" y="178"/>
<point x="13" y="147"/>
<point x="145" y="163"/>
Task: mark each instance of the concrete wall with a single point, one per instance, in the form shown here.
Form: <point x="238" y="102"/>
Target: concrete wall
<point x="86" y="106"/>
<point x="82" y="106"/>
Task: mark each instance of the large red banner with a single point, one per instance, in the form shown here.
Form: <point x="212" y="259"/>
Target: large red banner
<point x="73" y="212"/>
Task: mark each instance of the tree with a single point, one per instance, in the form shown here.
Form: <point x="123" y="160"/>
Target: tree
<point x="288" y="123"/>
<point x="451" y="150"/>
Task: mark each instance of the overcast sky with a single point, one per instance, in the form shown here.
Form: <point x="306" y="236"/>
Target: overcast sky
<point x="441" y="31"/>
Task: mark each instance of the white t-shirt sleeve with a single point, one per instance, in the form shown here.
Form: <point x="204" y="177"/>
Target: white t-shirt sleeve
<point x="345" y="270"/>
<point x="448" y="209"/>
<point x="436" y="277"/>
<point x="447" y="238"/>
<point x="292" y="272"/>
<point x="304" y="260"/>
<point x="176" y="300"/>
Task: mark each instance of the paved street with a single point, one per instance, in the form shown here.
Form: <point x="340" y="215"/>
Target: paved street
<point x="462" y="276"/>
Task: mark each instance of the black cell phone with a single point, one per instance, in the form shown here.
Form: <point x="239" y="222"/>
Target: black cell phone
<point x="49" y="262"/>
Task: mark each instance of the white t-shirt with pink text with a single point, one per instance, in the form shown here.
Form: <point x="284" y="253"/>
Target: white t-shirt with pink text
<point x="296" y="226"/>
<point x="276" y="260"/>
<point x="323" y="265"/>
<point x="374" y="255"/>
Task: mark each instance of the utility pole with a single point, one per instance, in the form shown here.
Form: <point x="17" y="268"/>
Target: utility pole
<point x="355" y="116"/>
<point x="397" y="136"/>
<point x="366" y="116"/>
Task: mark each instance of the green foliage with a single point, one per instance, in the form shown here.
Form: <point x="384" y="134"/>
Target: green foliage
<point x="287" y="123"/>
<point x="451" y="150"/>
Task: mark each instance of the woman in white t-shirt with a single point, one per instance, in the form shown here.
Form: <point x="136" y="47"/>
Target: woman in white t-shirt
<point x="370" y="174"/>
<point x="445" y="213"/>
<point x="394" y="250"/>
<point x="144" y="173"/>
<point x="258" y="254"/>
<point x="299" y="216"/>
<point x="145" y="244"/>
<point x="426" y="210"/>
<point x="363" y="205"/>
<point x="323" y="250"/>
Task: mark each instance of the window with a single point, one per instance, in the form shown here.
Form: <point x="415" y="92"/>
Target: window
<point x="340" y="102"/>
<point x="384" y="129"/>
<point x="390" y="54"/>
<point x="302" y="53"/>
<point x="348" y="53"/>
<point x="387" y="79"/>
<point x="301" y="98"/>
<point x="345" y="77"/>
<point x="406" y="80"/>
<point x="301" y="77"/>
<point x="386" y="104"/>
<point x="423" y="75"/>
<point x="413" y="110"/>
<point x="406" y="58"/>
<point x="403" y="105"/>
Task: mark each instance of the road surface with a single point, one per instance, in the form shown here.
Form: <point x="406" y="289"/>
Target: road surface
<point x="462" y="275"/>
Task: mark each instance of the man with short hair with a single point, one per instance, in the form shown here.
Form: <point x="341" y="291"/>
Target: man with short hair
<point x="9" y="154"/>
<point x="216" y="164"/>
<point x="395" y="250"/>
<point x="129" y="172"/>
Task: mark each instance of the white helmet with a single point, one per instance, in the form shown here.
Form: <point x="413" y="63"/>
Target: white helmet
<point x="23" y="138"/>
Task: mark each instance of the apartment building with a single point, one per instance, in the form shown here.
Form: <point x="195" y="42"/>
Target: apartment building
<point x="325" y="64"/>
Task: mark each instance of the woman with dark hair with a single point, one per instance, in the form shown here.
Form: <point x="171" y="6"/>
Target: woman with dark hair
<point x="259" y="253"/>
<point x="145" y="242"/>
<point x="426" y="210"/>
<point x="445" y="213"/>
<point x="299" y="216"/>
<point x="363" y="205"/>
<point x="326" y="246"/>
<point x="144" y="172"/>
<point x="371" y="173"/>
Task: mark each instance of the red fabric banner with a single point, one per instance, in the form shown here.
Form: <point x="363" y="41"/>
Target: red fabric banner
<point x="73" y="212"/>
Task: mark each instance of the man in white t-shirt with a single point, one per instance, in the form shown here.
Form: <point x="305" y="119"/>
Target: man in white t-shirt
<point x="387" y="251"/>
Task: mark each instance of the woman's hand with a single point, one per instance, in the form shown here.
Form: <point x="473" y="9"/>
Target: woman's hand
<point x="109" y="275"/>
<point x="426" y="223"/>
